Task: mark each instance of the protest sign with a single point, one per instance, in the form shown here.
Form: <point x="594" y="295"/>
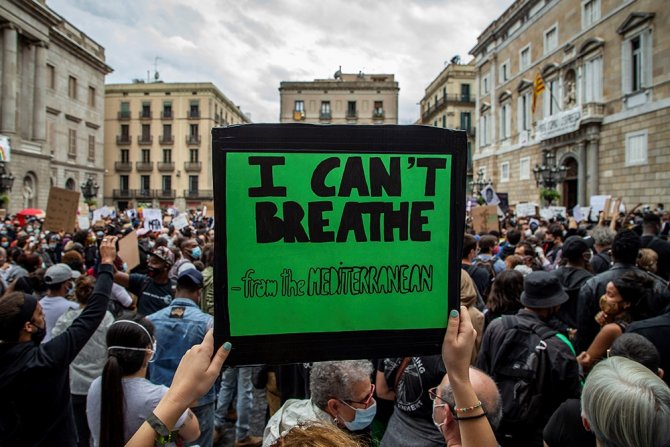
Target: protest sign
<point x="504" y="201"/>
<point x="129" y="250"/>
<point x="84" y="222"/>
<point x="208" y="209"/>
<point x="597" y="204"/>
<point x="180" y="221"/>
<point x="490" y="195"/>
<point x="62" y="208"/>
<point x="485" y="218"/>
<point x="336" y="242"/>
<point x="526" y="209"/>
<point x="578" y="214"/>
<point x="153" y="220"/>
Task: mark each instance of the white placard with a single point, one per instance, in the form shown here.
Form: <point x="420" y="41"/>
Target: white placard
<point x="180" y="221"/>
<point x="559" y="211"/>
<point x="525" y="209"/>
<point x="577" y="213"/>
<point x="153" y="219"/>
<point x="490" y="195"/>
<point x="84" y="222"/>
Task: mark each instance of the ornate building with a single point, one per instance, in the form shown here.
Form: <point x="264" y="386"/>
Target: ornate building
<point x="51" y="106"/>
<point x="603" y="114"/>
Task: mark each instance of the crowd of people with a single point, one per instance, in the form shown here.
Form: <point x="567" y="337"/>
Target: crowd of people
<point x="561" y="340"/>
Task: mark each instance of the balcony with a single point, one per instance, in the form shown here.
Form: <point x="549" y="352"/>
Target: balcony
<point x="165" y="166"/>
<point x="593" y="112"/>
<point x="352" y="115"/>
<point x="325" y="116"/>
<point x="145" y="114"/>
<point x="378" y="114"/>
<point x="122" y="194"/>
<point x="123" y="166"/>
<point x="123" y="115"/>
<point x="123" y="139"/>
<point x="167" y="139"/>
<point x="298" y="115"/>
<point x="144" y="166"/>
<point x="192" y="166"/>
<point x="166" y="114"/>
<point x="143" y="194"/>
<point x="193" y="114"/>
<point x="198" y="194"/>
<point x="165" y="193"/>
<point x="192" y="139"/>
<point x="145" y="139"/>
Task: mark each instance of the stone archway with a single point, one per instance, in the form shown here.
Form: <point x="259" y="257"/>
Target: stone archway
<point x="70" y="184"/>
<point x="570" y="193"/>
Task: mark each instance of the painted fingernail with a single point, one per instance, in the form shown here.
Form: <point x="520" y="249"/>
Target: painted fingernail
<point x="453" y="313"/>
<point x="227" y="346"/>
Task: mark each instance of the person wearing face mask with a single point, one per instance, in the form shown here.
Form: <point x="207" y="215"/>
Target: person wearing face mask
<point x="342" y="394"/>
<point x="190" y="253"/>
<point x="59" y="280"/>
<point x="542" y="297"/>
<point x="34" y="377"/>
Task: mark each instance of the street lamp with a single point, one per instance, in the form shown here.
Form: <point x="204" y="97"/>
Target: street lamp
<point x="480" y="183"/>
<point x="89" y="189"/>
<point x="6" y="179"/>
<point x="548" y="174"/>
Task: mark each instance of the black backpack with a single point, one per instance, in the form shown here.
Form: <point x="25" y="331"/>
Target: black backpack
<point x="521" y="369"/>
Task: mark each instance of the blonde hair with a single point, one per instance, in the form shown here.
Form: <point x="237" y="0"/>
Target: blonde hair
<point x="647" y="259"/>
<point x="316" y="434"/>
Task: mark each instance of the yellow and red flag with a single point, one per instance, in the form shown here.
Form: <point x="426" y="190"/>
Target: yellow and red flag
<point x="538" y="87"/>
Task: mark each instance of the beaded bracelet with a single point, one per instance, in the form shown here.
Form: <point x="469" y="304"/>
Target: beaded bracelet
<point x="465" y="418"/>
<point x="466" y="409"/>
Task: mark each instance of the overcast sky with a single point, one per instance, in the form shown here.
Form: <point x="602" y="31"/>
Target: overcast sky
<point x="246" y="48"/>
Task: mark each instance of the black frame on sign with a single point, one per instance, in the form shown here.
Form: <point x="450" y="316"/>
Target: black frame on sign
<point x="284" y="138"/>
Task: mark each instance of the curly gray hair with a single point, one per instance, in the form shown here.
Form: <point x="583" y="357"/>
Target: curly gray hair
<point x="334" y="380"/>
<point x="603" y="236"/>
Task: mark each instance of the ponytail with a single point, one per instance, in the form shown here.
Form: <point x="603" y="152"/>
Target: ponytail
<point x="112" y="426"/>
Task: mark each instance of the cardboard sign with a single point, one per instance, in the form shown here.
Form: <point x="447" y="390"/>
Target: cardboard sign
<point x="61" y="210"/>
<point x="129" y="250"/>
<point x="526" y="209"/>
<point x="208" y="209"/>
<point x="153" y="219"/>
<point x="336" y="242"/>
<point x="485" y="218"/>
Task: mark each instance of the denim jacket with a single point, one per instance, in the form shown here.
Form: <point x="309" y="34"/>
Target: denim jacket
<point x="178" y="327"/>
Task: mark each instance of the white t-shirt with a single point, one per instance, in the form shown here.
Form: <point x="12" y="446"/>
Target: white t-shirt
<point x="53" y="307"/>
<point x="141" y="397"/>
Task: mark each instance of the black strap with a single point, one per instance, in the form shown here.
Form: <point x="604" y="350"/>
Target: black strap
<point x="542" y="330"/>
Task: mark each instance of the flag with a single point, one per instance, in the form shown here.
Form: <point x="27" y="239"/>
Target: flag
<point x="538" y="87"/>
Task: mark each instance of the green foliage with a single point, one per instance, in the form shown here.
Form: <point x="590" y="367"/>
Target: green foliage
<point x="4" y="200"/>
<point x="549" y="195"/>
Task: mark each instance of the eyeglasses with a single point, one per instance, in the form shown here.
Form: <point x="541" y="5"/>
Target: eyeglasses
<point x="366" y="402"/>
<point x="434" y="396"/>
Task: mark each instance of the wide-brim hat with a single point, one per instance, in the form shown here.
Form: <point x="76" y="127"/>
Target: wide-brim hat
<point x="542" y="290"/>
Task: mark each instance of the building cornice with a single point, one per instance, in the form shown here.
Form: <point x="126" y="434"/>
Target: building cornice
<point x="60" y="38"/>
<point x="338" y="85"/>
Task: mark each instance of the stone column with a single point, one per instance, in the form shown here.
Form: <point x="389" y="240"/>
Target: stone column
<point x="594" y="170"/>
<point x="39" y="96"/>
<point x="9" y="79"/>
<point x="581" y="174"/>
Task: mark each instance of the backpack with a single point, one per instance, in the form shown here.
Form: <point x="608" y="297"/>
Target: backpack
<point x="521" y="369"/>
<point x="488" y="266"/>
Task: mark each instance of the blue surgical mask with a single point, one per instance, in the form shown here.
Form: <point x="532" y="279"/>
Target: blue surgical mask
<point x="196" y="253"/>
<point x="4" y="244"/>
<point x="363" y="418"/>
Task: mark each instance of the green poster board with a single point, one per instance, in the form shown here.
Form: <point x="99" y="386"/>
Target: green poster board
<point x="328" y="235"/>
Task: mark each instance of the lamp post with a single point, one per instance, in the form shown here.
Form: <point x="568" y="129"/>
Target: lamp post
<point x="548" y="175"/>
<point x="89" y="190"/>
<point x="480" y="183"/>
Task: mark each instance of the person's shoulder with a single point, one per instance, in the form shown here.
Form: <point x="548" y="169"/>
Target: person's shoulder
<point x="662" y="321"/>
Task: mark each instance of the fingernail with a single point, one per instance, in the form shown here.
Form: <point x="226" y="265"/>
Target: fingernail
<point x="453" y="313"/>
<point x="227" y="346"/>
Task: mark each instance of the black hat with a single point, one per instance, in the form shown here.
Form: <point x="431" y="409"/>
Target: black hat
<point x="574" y="247"/>
<point x="542" y="290"/>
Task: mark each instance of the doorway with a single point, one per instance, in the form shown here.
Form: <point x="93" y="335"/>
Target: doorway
<point x="570" y="192"/>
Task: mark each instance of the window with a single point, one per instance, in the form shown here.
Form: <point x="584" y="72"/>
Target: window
<point x="485" y="125"/>
<point x="551" y="39"/>
<point x="551" y="95"/>
<point x="167" y="132"/>
<point x="194" y="155"/>
<point x="166" y="183"/>
<point x="504" y="71"/>
<point x="524" y="112"/>
<point x="167" y="155"/>
<point x="146" y="155"/>
<point x="524" y="58"/>
<point x="51" y="76"/>
<point x="125" y="132"/>
<point x="378" y="110"/>
<point x="444" y="93"/>
<point x="72" y="142"/>
<point x="590" y="12"/>
<point x="167" y="109"/>
<point x="125" y="110"/>
<point x="505" y="121"/>
<point x="466" y="121"/>
<point x="91" y="96"/>
<point x="125" y="156"/>
<point x="72" y="87"/>
<point x="444" y="121"/>
<point x="193" y="183"/>
<point x="504" y="172"/>
<point x="636" y="148"/>
<point x="351" y="109"/>
<point x="485" y="84"/>
<point x="145" y="184"/>
<point x="124" y="183"/>
<point x="91" y="147"/>
<point x="146" y="110"/>
<point x="299" y="110"/>
<point x="146" y="132"/>
<point x="524" y="168"/>
<point x="465" y="92"/>
<point x="593" y="80"/>
<point x="325" y="110"/>
<point x="194" y="109"/>
<point x="193" y="130"/>
<point x="435" y="123"/>
<point x="636" y="62"/>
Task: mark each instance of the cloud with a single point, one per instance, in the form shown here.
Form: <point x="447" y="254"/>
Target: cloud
<point x="248" y="47"/>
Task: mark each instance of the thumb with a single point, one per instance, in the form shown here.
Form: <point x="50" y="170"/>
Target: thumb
<point x="453" y="324"/>
<point x="218" y="359"/>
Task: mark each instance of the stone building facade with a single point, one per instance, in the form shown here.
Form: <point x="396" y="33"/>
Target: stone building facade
<point x="604" y="111"/>
<point x="51" y="107"/>
<point x="449" y="102"/>
<point x="345" y="99"/>
<point x="158" y="139"/>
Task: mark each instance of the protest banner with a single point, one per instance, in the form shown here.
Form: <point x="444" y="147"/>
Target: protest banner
<point x="153" y="219"/>
<point x="526" y="209"/>
<point x="129" y="250"/>
<point x="62" y="207"/>
<point x="485" y="218"/>
<point x="336" y="242"/>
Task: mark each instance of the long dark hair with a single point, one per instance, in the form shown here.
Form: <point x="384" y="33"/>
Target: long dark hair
<point x="120" y="363"/>
<point x="636" y="289"/>
<point x="505" y="293"/>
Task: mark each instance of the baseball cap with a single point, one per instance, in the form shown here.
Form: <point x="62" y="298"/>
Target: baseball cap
<point x="164" y="254"/>
<point x="59" y="273"/>
<point x="191" y="275"/>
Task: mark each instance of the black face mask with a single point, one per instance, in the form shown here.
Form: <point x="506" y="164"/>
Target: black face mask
<point x="38" y="335"/>
<point x="152" y="271"/>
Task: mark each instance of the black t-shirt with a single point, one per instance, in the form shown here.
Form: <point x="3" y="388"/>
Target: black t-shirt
<point x="657" y="331"/>
<point x="662" y="249"/>
<point x="154" y="297"/>
<point x="565" y="428"/>
<point x="480" y="276"/>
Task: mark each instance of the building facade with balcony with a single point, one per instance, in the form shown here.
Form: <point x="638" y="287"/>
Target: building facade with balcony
<point x="51" y="102"/>
<point x="158" y="142"/>
<point x="345" y="99"/>
<point x="449" y="102"/>
<point x="603" y="113"/>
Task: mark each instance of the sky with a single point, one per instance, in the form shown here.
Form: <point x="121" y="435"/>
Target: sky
<point x="247" y="47"/>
